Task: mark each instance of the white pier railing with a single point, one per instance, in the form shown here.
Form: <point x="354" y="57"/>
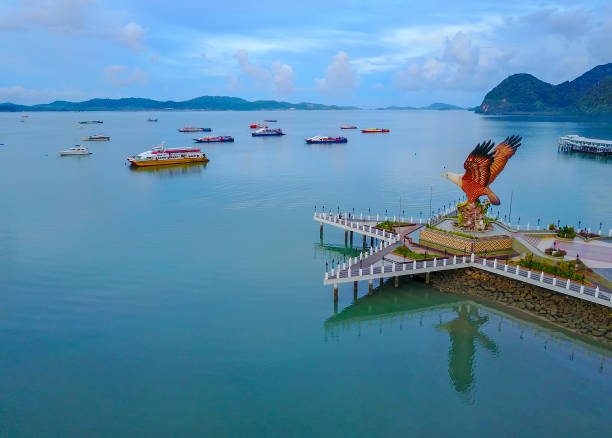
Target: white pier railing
<point x="538" y="278"/>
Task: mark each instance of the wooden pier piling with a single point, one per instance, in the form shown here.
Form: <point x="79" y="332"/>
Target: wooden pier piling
<point x="351" y="238"/>
<point x="396" y="281"/>
<point x="427" y="278"/>
<point x="321" y="229"/>
<point x="345" y="237"/>
<point x="364" y="240"/>
<point x="370" y="288"/>
<point x="335" y="291"/>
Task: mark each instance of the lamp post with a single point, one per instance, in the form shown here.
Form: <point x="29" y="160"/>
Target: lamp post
<point x="558" y="223"/>
<point x="579" y="222"/>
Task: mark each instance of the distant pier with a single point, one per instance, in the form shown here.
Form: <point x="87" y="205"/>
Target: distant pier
<point x="576" y="143"/>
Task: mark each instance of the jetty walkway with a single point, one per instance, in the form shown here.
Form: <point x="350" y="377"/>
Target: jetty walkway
<point x="372" y="264"/>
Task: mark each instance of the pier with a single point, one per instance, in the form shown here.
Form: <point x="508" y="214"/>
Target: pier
<point x="372" y="264"/>
<point x="576" y="143"/>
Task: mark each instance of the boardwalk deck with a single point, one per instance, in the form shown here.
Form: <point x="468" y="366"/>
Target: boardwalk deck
<point x="363" y="268"/>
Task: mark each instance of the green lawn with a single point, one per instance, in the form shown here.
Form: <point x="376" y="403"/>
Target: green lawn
<point x="404" y="251"/>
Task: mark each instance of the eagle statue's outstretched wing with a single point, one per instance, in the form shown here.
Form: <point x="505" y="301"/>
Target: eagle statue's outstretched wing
<point x="502" y="153"/>
<point x="478" y="164"/>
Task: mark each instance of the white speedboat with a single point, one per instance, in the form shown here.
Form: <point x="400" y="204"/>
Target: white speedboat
<point x="76" y="150"/>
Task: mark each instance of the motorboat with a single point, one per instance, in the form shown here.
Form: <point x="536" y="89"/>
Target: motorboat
<point x="76" y="150"/>
<point x="322" y="140"/>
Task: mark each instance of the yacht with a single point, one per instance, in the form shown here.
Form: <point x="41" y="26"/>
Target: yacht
<point x="317" y="139"/>
<point x="97" y="137"/>
<point x="268" y="133"/>
<point x="76" y="150"/>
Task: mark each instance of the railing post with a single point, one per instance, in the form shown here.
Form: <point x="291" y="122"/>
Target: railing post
<point x="435" y="261"/>
<point x="472" y="258"/>
<point x="338" y="273"/>
<point x="505" y="267"/>
<point x="349" y="272"/>
<point x="454" y="259"/>
<point x="444" y="262"/>
<point x="528" y="273"/>
<point x="393" y="267"/>
<point x="484" y="261"/>
<point x="582" y="288"/>
<point x="597" y="293"/>
<point x="463" y="259"/>
<point x="542" y="276"/>
<point x="517" y="269"/>
<point x="371" y="269"/>
<point x="403" y="266"/>
<point x="554" y="283"/>
<point x="414" y="264"/>
<point x="567" y="284"/>
<point x="360" y="272"/>
<point x="326" y="275"/>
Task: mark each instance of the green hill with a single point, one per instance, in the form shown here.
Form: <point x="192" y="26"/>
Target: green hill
<point x="203" y="103"/>
<point x="434" y="106"/>
<point x="589" y="94"/>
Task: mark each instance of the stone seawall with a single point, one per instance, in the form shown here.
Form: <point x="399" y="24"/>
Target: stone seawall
<point x="571" y="313"/>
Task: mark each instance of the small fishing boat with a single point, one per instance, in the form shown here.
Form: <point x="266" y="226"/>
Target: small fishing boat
<point x="76" y="150"/>
<point x="373" y="130"/>
<point x="150" y="119"/>
<point x="220" y="139"/>
<point x="97" y="137"/>
<point x="90" y="122"/>
<point x="160" y="155"/>
<point x="194" y="129"/>
<point x="270" y="120"/>
<point x="317" y="139"/>
<point x="268" y="133"/>
<point x="258" y="126"/>
<point x="348" y="127"/>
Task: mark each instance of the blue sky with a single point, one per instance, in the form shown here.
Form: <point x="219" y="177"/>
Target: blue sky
<point x="364" y="53"/>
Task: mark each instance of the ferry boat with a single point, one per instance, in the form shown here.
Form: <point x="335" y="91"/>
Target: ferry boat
<point x="150" y="119"/>
<point x="270" y="120"/>
<point x="76" y="150"/>
<point x="193" y="129"/>
<point x="258" y="126"/>
<point x="90" y="122"/>
<point x="318" y="140"/>
<point x="348" y="127"/>
<point x="160" y="155"/>
<point x="268" y="133"/>
<point x="373" y="130"/>
<point x="97" y="137"/>
<point x="220" y="139"/>
<point x="576" y="143"/>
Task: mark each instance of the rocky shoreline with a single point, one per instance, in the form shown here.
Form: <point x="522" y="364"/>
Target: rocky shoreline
<point x="579" y="316"/>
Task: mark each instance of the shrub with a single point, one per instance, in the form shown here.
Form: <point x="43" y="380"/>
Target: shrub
<point x="551" y="227"/>
<point x="566" y="232"/>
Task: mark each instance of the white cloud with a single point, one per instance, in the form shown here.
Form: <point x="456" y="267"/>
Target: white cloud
<point x="123" y="76"/>
<point x="340" y="77"/>
<point x="25" y="96"/>
<point x="283" y="78"/>
<point x="54" y="15"/>
<point x="154" y="59"/>
<point x="132" y="35"/>
<point x="260" y="75"/>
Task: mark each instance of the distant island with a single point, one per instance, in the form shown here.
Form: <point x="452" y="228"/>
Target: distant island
<point x="589" y="94"/>
<point x="438" y="106"/>
<point x="203" y="103"/>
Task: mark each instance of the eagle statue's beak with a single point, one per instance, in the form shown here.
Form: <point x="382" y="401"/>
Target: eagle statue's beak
<point x="445" y="175"/>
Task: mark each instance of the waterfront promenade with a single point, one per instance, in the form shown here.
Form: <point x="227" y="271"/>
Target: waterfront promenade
<point x="372" y="265"/>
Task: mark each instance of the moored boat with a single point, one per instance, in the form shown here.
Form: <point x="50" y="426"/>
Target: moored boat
<point x="75" y="150"/>
<point x="160" y="155"/>
<point x="267" y="133"/>
<point x="348" y="127"/>
<point x="258" y="126"/>
<point x="194" y="129"/>
<point x="270" y="120"/>
<point x="151" y="119"/>
<point x="317" y="139"/>
<point x="97" y="137"/>
<point x="373" y="130"/>
<point x="90" y="122"/>
<point x="219" y="139"/>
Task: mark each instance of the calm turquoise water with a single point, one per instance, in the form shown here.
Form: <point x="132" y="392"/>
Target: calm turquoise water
<point x="188" y="301"/>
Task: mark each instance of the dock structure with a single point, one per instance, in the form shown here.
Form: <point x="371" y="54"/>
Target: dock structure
<point x="576" y="143"/>
<point x="372" y="265"/>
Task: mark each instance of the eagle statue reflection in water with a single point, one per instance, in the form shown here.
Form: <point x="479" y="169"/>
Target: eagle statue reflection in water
<point x="482" y="167"/>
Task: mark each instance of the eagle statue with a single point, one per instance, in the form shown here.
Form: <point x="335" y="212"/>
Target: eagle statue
<point x="482" y="167"/>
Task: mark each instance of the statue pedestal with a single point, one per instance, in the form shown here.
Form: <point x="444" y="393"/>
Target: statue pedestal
<point x="471" y="216"/>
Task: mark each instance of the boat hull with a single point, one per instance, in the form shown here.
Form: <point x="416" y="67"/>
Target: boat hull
<point x="254" y="134"/>
<point x="148" y="163"/>
<point x="66" y="154"/>
<point x="325" y="141"/>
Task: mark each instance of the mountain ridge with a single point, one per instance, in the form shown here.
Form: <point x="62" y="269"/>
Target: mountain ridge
<point x="523" y="93"/>
<point x="201" y="103"/>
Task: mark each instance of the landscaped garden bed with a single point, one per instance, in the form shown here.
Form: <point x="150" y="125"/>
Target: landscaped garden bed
<point x="555" y="252"/>
<point x="389" y="225"/>
<point x="574" y="270"/>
